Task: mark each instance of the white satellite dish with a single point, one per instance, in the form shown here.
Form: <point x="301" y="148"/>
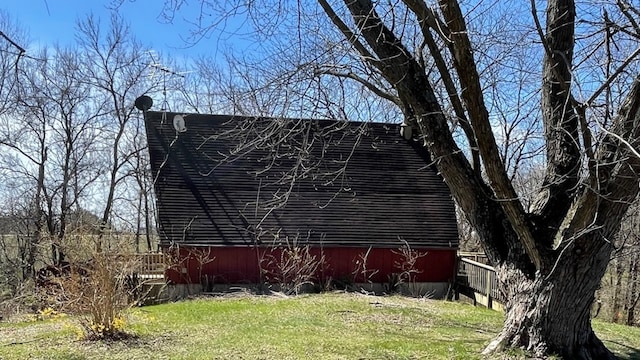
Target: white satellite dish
<point x="178" y="123"/>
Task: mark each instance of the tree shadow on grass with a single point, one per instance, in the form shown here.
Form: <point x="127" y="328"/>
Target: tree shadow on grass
<point x="625" y="352"/>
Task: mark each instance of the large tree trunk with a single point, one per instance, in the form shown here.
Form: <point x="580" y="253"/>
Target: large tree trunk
<point x="551" y="313"/>
<point x="551" y="257"/>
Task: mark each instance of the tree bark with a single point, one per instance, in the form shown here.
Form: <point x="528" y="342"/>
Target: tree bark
<point x="551" y="314"/>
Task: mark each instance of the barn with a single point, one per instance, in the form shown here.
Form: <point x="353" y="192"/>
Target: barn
<point x="292" y="202"/>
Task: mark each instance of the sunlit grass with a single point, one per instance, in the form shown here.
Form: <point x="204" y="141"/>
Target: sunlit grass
<point x="327" y="326"/>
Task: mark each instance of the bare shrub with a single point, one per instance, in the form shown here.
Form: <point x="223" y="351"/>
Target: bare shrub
<point x="203" y="257"/>
<point x="291" y="266"/>
<point x="99" y="294"/>
<point x="173" y="260"/>
<point x="179" y="262"/>
<point x="407" y="268"/>
<point x="361" y="272"/>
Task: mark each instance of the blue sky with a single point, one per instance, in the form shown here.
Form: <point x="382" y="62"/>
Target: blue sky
<point x="53" y="21"/>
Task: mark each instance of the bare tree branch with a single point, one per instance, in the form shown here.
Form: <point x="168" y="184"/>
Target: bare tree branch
<point x="369" y="85"/>
<point x="479" y="117"/>
<point x="429" y="20"/>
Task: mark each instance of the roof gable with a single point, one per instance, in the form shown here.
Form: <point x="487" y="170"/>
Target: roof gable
<point x="241" y="181"/>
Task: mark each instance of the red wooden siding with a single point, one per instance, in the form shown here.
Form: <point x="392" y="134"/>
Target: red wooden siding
<point x="236" y="265"/>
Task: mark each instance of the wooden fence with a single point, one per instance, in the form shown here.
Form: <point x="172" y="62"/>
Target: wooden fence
<point x="478" y="281"/>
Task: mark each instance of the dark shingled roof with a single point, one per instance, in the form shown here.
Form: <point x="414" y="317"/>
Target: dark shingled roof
<point x="227" y="181"/>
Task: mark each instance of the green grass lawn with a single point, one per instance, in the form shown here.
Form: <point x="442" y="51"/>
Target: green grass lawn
<point x="327" y="326"/>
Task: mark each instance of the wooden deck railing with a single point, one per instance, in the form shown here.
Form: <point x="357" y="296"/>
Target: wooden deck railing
<point x="479" y="282"/>
<point x="475" y="256"/>
<point x="147" y="265"/>
<point x="153" y="264"/>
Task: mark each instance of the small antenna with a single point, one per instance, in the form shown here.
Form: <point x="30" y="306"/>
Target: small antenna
<point x="166" y="72"/>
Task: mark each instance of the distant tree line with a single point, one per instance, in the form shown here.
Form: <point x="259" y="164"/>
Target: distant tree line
<point x="72" y="146"/>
